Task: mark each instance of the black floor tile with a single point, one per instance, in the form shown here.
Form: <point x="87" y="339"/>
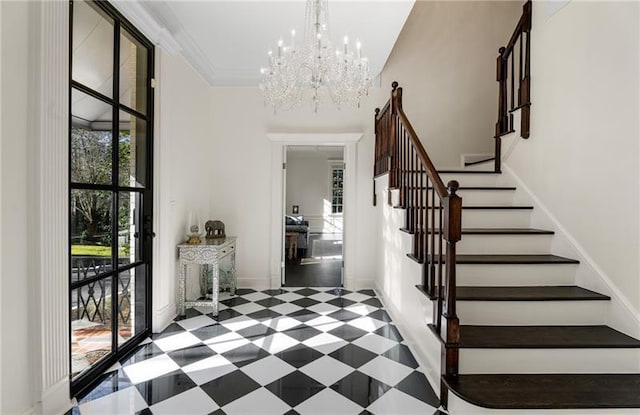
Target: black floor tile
<point x="146" y="351"/>
<point x="109" y="383"/>
<point x="338" y="291"/>
<point x="191" y="354"/>
<point x="256" y="331"/>
<point x="343" y="315"/>
<point x="209" y="332"/>
<point x="299" y="355"/>
<point x="305" y="302"/>
<point x="341" y="302"/>
<point x="276" y="291"/>
<point x="230" y="387"/>
<point x="347" y="332"/>
<point x="417" y="385"/>
<point x="246" y="354"/>
<point x="373" y="302"/>
<point x="352" y="355"/>
<point x="235" y="301"/>
<point x="164" y="387"/>
<point x="302" y="333"/>
<point x="360" y="388"/>
<point x="264" y="315"/>
<point x="401" y="354"/>
<point x="390" y="332"/>
<point x="367" y="292"/>
<point x="306" y="291"/>
<point x="227" y="314"/>
<point x="269" y="302"/>
<point x="173" y="328"/>
<point x="295" y="388"/>
<point x="244" y="291"/>
<point x="380" y="315"/>
<point x="304" y="315"/>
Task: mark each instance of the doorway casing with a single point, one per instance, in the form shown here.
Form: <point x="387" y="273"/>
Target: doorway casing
<point x="279" y="142"/>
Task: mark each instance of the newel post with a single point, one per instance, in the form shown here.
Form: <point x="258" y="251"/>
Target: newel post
<point x="396" y="104"/>
<point x="450" y="330"/>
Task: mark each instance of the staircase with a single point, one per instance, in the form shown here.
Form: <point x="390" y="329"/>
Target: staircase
<point x="516" y="331"/>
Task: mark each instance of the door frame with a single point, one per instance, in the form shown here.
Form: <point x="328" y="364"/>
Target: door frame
<point x="279" y="142"/>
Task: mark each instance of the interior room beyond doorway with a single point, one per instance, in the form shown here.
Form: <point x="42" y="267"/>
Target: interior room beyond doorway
<point x="314" y="205"/>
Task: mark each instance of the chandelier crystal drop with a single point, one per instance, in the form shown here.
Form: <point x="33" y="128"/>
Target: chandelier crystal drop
<point x="313" y="70"/>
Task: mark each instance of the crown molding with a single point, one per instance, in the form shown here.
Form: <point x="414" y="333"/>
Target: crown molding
<point x="144" y="22"/>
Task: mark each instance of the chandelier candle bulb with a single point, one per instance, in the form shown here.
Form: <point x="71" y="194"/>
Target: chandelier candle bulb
<point x="359" y="47"/>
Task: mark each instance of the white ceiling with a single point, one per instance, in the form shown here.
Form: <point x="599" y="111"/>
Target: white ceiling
<point x="227" y="41"/>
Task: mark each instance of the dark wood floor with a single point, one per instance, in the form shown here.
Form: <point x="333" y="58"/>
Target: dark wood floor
<point x="305" y="271"/>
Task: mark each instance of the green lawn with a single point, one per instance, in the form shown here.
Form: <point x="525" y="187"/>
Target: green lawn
<point x="92" y="250"/>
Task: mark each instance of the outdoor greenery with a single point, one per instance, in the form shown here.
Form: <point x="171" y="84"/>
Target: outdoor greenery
<point x="91" y="210"/>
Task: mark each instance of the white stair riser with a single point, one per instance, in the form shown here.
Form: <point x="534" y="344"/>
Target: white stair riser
<point x="483" y="218"/>
<point x="515" y="274"/>
<point x="532" y="313"/>
<point x="483" y="197"/>
<point x="504" y="244"/>
<point x="496" y="218"/>
<point x="604" y="360"/>
<point x="476" y="179"/>
<point x="484" y="166"/>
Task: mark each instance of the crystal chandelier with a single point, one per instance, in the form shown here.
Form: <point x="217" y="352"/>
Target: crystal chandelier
<point x="315" y="70"/>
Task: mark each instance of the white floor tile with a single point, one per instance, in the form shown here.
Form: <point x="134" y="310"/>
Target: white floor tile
<point x="328" y="402"/>
<point x="150" y="368"/>
<point x="257" y="296"/>
<point x="325" y="343"/>
<point x="356" y="297"/>
<point x="248" y="308"/>
<point x="367" y="323"/>
<point x="265" y="371"/>
<point x="323" y="308"/>
<point x="196" y="322"/>
<point x="285" y="308"/>
<point x="322" y="297"/>
<point x="395" y="402"/>
<point x="208" y="369"/>
<point x="282" y="323"/>
<point x="276" y="343"/>
<point x="385" y="370"/>
<point x="289" y="297"/>
<point x="324" y="323"/>
<point x="226" y="342"/>
<point x="193" y="402"/>
<point x="361" y="309"/>
<point x="177" y="341"/>
<point x="377" y="344"/>
<point x="126" y="401"/>
<point x="239" y="323"/>
<point x="258" y="402"/>
<point x="326" y="370"/>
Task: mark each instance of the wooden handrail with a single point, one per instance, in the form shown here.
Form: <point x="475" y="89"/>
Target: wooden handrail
<point x="434" y="217"/>
<point x="506" y="76"/>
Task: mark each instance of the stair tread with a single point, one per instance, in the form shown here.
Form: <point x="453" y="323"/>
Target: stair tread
<point x="548" y="391"/>
<point x="495" y="231"/>
<point x="503" y="188"/>
<point x="528" y="293"/>
<point x="467" y="172"/>
<point x="474" y="207"/>
<point x="551" y="337"/>
<point x="508" y="259"/>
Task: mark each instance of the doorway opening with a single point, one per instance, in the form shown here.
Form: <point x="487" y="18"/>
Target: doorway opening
<point x="314" y="206"/>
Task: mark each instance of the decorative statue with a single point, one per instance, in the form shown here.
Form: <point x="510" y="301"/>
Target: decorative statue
<point x="215" y="229"/>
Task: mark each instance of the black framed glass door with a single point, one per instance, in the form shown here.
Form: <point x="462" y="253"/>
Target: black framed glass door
<point x="111" y="188"/>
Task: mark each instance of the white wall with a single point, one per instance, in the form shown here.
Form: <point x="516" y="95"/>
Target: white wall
<point x="582" y="159"/>
<point x="241" y="192"/>
<point x="16" y="371"/>
<point x="445" y="60"/>
<point x="183" y="170"/>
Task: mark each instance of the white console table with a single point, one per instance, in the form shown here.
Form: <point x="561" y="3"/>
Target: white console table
<point x="209" y="252"/>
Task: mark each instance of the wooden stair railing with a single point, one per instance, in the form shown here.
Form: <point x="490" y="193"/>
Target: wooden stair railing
<point x="434" y="217"/>
<point x="507" y="70"/>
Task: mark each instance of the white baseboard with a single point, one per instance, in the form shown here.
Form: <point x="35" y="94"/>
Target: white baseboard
<point x="419" y="349"/>
<point x="623" y="316"/>
<point x="163" y="317"/>
<point x="55" y="400"/>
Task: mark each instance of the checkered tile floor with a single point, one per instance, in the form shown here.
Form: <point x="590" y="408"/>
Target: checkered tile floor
<point x="285" y="351"/>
